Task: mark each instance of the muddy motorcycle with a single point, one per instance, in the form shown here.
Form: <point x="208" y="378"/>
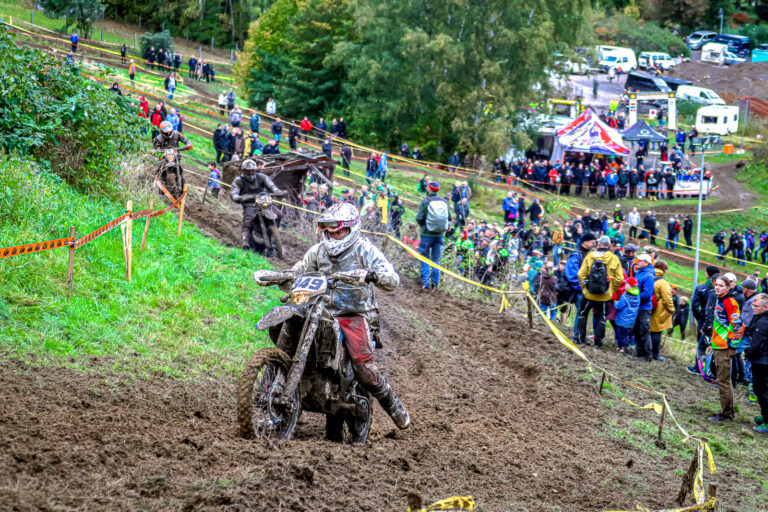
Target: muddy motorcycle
<point x="267" y="233"/>
<point x="170" y="173"/>
<point x="276" y="388"/>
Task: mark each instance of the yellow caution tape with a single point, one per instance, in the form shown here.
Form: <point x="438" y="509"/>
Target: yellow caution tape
<point x="452" y="503"/>
<point x="708" y="505"/>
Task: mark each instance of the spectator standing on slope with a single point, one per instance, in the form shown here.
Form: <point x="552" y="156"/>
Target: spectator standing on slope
<point x="600" y="275"/>
<point x="433" y="217"/>
<point x="757" y="355"/>
<point x="306" y="127"/>
<point x="123" y="50"/>
<point x="663" y="308"/>
<point x="254" y="123"/>
<point x="277" y="130"/>
<point x="727" y="331"/>
<point x="645" y="275"/>
<point x="271" y="107"/>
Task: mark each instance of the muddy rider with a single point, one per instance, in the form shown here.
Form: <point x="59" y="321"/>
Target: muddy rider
<point x="170" y="138"/>
<point x="244" y="190"/>
<point x="354" y="307"/>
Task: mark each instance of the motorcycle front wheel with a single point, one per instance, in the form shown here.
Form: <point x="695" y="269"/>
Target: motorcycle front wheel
<point x="173" y="184"/>
<point x="262" y="409"/>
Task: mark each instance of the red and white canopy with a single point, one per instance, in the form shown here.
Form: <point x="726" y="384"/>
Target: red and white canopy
<point x="588" y="134"/>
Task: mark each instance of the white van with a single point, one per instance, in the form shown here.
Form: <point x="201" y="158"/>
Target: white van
<point x="604" y="50"/>
<point x="714" y="53"/>
<point x="619" y="59"/>
<point x="649" y="60"/>
<point x="718" y="119"/>
<point x="699" y="95"/>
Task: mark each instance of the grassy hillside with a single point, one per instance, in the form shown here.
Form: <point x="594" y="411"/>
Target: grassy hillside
<point x="190" y="308"/>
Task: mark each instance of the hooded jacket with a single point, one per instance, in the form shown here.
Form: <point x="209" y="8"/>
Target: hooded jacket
<point x="613" y="267"/>
<point x="757" y="352"/>
<point x="645" y="277"/>
<point x="699" y="300"/>
<point x="627" y="308"/>
<point x="661" y="318"/>
<point x="727" y="327"/>
<point x="547" y="288"/>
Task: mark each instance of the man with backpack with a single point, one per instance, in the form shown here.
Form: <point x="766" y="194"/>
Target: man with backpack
<point x="433" y="217"/>
<point x="600" y="275"/>
<point x="572" y="267"/>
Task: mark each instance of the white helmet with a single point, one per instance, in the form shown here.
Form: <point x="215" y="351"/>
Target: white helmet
<point x="339" y="216"/>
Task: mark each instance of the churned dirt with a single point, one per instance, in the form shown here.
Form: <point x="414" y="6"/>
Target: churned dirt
<point x="746" y="79"/>
<point x="500" y="412"/>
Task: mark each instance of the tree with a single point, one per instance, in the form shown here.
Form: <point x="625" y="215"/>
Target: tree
<point x="464" y="69"/>
<point x="81" y="13"/>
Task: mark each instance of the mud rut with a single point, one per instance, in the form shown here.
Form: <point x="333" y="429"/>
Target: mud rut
<point x="496" y="416"/>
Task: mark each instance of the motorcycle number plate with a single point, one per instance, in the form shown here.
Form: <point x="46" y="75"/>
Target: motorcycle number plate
<point x="315" y="285"/>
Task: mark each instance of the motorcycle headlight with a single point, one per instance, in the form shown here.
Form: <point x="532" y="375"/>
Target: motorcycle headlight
<point x="169" y="157"/>
<point x="300" y="297"/>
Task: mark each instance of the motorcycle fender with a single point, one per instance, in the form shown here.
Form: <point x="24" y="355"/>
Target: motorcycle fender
<point x="279" y="315"/>
<point x="269" y="214"/>
<point x="170" y="164"/>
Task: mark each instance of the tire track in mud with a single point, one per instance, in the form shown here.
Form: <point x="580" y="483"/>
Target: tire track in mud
<point x="493" y="418"/>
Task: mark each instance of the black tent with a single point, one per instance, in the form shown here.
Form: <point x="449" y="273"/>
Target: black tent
<point x="641" y="131"/>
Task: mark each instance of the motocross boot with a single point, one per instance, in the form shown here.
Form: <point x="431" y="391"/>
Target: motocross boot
<point x="386" y="396"/>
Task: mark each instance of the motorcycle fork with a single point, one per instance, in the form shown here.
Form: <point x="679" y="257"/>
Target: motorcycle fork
<point x="300" y="359"/>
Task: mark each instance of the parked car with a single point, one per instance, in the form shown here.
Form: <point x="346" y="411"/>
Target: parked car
<point x="699" y="95"/>
<point x="740" y="45"/>
<point x="731" y="59"/>
<point x="643" y="82"/>
<point x="699" y="38"/>
<point x="650" y="60"/>
<point x="674" y="83"/>
<point x="621" y="59"/>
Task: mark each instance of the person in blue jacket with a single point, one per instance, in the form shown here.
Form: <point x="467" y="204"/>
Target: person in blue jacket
<point x="586" y="244"/>
<point x="626" y="313"/>
<point x="646" y="276"/>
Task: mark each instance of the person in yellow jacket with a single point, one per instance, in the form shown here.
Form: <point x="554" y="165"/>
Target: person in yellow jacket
<point x="663" y="308"/>
<point x="132" y="71"/>
<point x="600" y="275"/>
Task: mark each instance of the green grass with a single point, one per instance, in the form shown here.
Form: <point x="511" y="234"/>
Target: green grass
<point x="190" y="307"/>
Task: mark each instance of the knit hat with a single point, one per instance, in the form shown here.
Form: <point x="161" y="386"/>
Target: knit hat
<point x="588" y="237"/>
<point x="433" y="186"/>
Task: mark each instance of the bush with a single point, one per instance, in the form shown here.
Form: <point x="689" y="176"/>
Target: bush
<point x="69" y="123"/>
<point x="157" y="40"/>
<point x="758" y="34"/>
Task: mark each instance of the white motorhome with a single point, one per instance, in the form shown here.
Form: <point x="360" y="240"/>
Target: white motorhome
<point x="699" y="95"/>
<point x="649" y="60"/>
<point x="623" y="59"/>
<point x="718" y="119"/>
<point x="714" y="53"/>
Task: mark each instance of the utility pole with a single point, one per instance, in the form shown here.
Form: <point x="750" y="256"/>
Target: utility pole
<point x="720" y="14"/>
<point x="698" y="222"/>
<point x="744" y="126"/>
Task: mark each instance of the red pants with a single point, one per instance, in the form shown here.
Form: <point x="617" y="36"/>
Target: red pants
<point x="357" y="339"/>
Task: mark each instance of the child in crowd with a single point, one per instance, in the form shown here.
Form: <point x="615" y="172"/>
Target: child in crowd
<point x="627" y="305"/>
<point x="214" y="177"/>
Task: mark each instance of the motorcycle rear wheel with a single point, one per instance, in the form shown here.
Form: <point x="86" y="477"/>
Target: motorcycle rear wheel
<point x="262" y="411"/>
<point x="277" y="242"/>
<point x="350" y="427"/>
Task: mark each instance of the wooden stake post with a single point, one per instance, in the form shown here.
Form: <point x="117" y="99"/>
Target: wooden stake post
<point x="530" y="313"/>
<point x="128" y="242"/>
<point x="181" y="208"/>
<point x="71" y="268"/>
<point x="661" y="421"/>
<point x="146" y="225"/>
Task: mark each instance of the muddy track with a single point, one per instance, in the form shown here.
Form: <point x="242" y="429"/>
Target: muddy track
<point x="500" y="413"/>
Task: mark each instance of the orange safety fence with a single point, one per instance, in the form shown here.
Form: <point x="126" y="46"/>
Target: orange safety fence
<point x="35" y="247"/>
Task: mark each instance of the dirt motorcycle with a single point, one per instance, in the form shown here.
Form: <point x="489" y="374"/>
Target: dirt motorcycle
<point x="276" y="387"/>
<point x="170" y="173"/>
<point x="267" y="233"/>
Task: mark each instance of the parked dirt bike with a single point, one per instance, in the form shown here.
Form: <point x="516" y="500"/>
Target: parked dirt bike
<point x="275" y="388"/>
<point x="267" y="233"/>
<point x="170" y="173"/>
